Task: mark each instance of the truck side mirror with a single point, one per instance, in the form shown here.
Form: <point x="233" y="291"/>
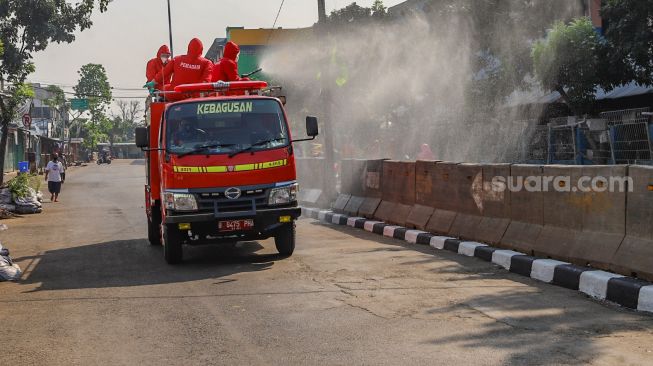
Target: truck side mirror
<point x="311" y="126"/>
<point x="142" y="137"/>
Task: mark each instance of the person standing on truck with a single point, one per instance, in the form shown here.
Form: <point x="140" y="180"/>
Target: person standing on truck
<point x="187" y="69"/>
<point x="156" y="65"/>
<point x="227" y="68"/>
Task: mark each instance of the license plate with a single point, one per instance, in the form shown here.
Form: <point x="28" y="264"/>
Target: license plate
<point x="236" y="225"/>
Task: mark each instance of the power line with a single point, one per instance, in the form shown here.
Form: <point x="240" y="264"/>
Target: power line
<point x="95" y="96"/>
<point x="72" y="86"/>
<point x="274" y="25"/>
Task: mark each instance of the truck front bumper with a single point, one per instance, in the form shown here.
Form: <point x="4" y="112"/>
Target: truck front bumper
<point x="204" y="226"/>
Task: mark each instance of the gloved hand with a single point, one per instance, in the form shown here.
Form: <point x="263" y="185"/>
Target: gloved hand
<point x="151" y="86"/>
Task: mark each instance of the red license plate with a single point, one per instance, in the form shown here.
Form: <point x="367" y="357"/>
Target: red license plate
<point x="236" y="225"/>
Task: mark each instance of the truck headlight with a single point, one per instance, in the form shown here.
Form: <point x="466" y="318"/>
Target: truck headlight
<point x="283" y="195"/>
<point x="180" y="201"/>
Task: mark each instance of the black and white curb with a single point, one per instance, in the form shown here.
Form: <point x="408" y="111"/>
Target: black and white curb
<point x="629" y="292"/>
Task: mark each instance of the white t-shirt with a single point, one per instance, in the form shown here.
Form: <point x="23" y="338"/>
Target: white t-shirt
<point x="54" y="171"/>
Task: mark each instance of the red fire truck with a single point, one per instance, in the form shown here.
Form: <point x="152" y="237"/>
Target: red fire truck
<point x="220" y="167"/>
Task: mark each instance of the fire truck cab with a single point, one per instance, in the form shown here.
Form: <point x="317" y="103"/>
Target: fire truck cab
<point x="220" y="168"/>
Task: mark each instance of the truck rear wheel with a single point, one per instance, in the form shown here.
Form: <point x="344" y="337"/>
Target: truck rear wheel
<point x="172" y="248"/>
<point x="285" y="240"/>
<point x="154" y="226"/>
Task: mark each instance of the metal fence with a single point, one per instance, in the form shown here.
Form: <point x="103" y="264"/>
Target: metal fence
<point x="617" y="137"/>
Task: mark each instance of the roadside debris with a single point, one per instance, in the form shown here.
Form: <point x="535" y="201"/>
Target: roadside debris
<point x="9" y="271"/>
<point x="19" y="198"/>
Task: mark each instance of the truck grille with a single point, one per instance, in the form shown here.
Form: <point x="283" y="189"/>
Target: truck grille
<point x="249" y="201"/>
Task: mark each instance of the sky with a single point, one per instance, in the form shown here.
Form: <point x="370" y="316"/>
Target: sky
<point x="125" y="37"/>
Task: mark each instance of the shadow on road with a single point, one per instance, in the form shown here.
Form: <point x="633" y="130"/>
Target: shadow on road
<point x="554" y="331"/>
<point x="558" y="326"/>
<point x="135" y="263"/>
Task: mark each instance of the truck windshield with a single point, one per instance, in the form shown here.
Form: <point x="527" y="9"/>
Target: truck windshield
<point x="223" y="127"/>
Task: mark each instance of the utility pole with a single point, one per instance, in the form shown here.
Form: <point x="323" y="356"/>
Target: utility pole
<point x="321" y="10"/>
<point x="172" y="52"/>
<point x="327" y="100"/>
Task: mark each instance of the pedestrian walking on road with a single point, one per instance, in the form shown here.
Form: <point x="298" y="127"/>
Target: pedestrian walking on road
<point x="53" y="176"/>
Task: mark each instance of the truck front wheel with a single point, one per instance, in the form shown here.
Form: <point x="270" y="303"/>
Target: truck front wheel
<point x="154" y="226"/>
<point x="172" y="248"/>
<point x="285" y="240"/>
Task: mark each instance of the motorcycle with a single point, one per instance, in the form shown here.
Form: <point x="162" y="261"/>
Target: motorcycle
<point x="103" y="160"/>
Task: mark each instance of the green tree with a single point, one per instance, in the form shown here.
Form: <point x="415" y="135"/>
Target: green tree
<point x="26" y="27"/>
<point x="568" y="61"/>
<point x="629" y="29"/>
<point x="379" y="11"/>
<point x="94" y="86"/>
<point x="351" y="14"/>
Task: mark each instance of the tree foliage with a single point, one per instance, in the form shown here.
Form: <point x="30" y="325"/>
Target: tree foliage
<point x="629" y="30"/>
<point x="94" y="86"/>
<point x="568" y="61"/>
<point x="26" y="27"/>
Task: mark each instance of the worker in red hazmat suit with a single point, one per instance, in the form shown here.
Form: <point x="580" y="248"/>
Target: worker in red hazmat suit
<point x="227" y="68"/>
<point x="190" y="68"/>
<point x="156" y="65"/>
<point x="425" y="153"/>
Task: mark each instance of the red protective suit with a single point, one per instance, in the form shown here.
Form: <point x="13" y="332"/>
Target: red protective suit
<point x="190" y="68"/>
<point x="227" y="68"/>
<point x="155" y="66"/>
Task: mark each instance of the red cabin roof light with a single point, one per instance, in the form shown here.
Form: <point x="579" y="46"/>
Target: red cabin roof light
<point x="221" y="86"/>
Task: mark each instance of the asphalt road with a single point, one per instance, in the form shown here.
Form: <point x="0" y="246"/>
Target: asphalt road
<point x="95" y="293"/>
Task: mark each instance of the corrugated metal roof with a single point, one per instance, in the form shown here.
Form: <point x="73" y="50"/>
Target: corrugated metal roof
<point x="538" y="97"/>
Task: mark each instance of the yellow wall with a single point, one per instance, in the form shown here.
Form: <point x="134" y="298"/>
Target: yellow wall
<point x="259" y="37"/>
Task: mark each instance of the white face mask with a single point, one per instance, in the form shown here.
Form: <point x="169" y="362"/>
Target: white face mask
<point x="237" y="57"/>
<point x="165" y="59"/>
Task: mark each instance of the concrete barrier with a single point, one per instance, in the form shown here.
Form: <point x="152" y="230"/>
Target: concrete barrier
<point x="635" y="255"/>
<point x="441" y="221"/>
<point x="419" y="217"/>
<point x="526" y="213"/>
<point x="373" y="179"/>
<point x="311" y="178"/>
<point x="385" y="211"/>
<point x="352" y="177"/>
<point x="434" y="188"/>
<point x="368" y="207"/>
<point x="341" y="203"/>
<point x="398" y="186"/>
<point x="495" y="205"/>
<point x="603" y="224"/>
<point x="354" y="205"/>
<point x="468" y="203"/>
<point x="562" y="214"/>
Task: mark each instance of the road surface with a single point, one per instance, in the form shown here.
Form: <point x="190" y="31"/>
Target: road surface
<point x="95" y="293"/>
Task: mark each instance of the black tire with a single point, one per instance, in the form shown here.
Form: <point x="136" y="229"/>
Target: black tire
<point x="154" y="227"/>
<point x="285" y="240"/>
<point x="172" y="248"/>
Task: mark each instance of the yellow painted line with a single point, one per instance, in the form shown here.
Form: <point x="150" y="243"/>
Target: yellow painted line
<point x="225" y="168"/>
